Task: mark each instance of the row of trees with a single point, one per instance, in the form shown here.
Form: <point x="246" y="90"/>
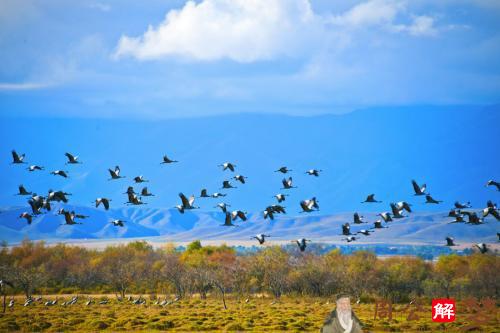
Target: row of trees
<point x="140" y="269"/>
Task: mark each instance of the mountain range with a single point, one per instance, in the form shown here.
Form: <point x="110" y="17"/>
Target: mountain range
<point x="169" y="225"/>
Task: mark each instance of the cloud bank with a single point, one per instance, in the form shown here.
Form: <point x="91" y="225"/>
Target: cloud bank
<point x="247" y="31"/>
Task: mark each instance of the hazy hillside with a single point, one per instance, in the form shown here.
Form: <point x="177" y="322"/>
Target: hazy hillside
<point x="423" y="228"/>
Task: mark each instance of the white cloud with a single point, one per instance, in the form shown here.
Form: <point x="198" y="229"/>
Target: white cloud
<point x="384" y="13"/>
<point x="421" y="26"/>
<point x="23" y="86"/>
<point x="373" y="12"/>
<point x="253" y="30"/>
<point x="100" y="6"/>
<point x="240" y="30"/>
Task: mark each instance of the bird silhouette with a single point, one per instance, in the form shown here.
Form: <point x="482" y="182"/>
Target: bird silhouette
<point x="27" y="216"/>
<point x="223" y="206"/>
<point x="357" y="219"/>
<point x="431" y="200"/>
<point x="419" y="190"/>
<point x="227" y="165"/>
<point x="453" y="213"/>
<point x="133" y="199"/>
<point x="346" y="229"/>
<point x="23" y="191"/>
<point x="115" y="174"/>
<point x="103" y="201"/>
<point x="491" y="211"/>
<point x="240" y="178"/>
<point x="378" y="225"/>
<point x="385" y="216"/>
<point x="450" y="241"/>
<point x="309" y="205"/>
<point x="72" y="159"/>
<point x="459" y="205"/>
<point x="280" y="197"/>
<point x="32" y="168"/>
<point x="145" y="193"/>
<point x="60" y="173"/>
<point x="226" y="185"/>
<point x="489" y="183"/>
<point x="69" y="218"/>
<point x="396" y="213"/>
<point x="283" y="169"/>
<point x="268" y="213"/>
<point x="403" y="205"/>
<point x="187" y="203"/>
<point x="287" y="183"/>
<point x="301" y="243"/>
<point x="350" y="239"/>
<point x="18" y="159"/>
<point x="58" y="196"/>
<point x="483" y="248"/>
<point x="458" y="219"/>
<point x="472" y="216"/>
<point x="167" y="160"/>
<point x="140" y="179"/>
<point x="313" y="172"/>
<point x="261" y="238"/>
<point x="235" y="214"/>
<point x="228" y="220"/>
<point x="118" y="223"/>
<point x="370" y="198"/>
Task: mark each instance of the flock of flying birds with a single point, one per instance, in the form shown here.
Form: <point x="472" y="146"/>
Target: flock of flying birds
<point x="459" y="212"/>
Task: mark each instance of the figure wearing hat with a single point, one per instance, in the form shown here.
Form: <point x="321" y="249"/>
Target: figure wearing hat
<point x="342" y="319"/>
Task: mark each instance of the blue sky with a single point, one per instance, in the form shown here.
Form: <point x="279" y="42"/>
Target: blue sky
<point x="174" y="58"/>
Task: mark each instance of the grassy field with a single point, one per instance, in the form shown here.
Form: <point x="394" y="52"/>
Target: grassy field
<point x="192" y="314"/>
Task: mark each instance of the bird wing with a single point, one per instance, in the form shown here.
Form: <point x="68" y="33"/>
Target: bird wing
<point x="67" y="218"/>
<point x="191" y="200"/>
<point x="15" y="156"/>
<point x="416" y="188"/>
<point x="241" y="215"/>
<point x="185" y="201"/>
<point x="227" y="220"/>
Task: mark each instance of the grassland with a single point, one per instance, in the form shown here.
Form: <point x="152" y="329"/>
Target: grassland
<point x="260" y="314"/>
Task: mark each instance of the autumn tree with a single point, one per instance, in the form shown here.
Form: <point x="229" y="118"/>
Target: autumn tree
<point x="271" y="267"/>
<point x="27" y="270"/>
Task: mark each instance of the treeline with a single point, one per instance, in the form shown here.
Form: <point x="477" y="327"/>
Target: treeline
<point x="138" y="268"/>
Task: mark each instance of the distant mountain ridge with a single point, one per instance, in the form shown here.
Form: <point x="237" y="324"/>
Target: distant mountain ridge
<point x="422" y="228"/>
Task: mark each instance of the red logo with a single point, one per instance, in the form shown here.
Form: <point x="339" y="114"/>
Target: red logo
<point x="443" y="310"/>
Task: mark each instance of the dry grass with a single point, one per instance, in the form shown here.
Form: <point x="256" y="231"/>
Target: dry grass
<point x="259" y="315"/>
